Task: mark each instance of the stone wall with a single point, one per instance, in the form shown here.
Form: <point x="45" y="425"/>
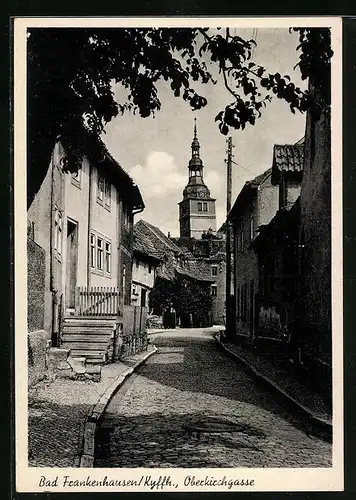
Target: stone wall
<point x="36" y="264"/>
<point x="315" y="201"/>
<point x="37" y="356"/>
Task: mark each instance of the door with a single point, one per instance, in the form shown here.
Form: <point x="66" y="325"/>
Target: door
<point x="71" y="263"/>
<point x="143" y="297"/>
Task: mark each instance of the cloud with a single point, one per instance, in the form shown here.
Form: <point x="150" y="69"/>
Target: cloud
<point x="159" y="176"/>
<point x="161" y="183"/>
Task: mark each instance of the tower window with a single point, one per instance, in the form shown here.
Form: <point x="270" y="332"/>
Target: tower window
<point x="205" y="207"/>
<point x="252" y="228"/>
<point x="200" y="206"/>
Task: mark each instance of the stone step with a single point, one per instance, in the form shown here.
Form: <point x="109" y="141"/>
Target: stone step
<point x="92" y="338"/>
<point x="84" y="330"/>
<point x="96" y="355"/>
<point x="95" y="346"/>
<point x="90" y="321"/>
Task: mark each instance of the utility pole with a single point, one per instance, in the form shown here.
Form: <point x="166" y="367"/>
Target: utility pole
<point x="229" y="315"/>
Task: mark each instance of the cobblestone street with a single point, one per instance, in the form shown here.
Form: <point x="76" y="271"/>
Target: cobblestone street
<point x="191" y="406"/>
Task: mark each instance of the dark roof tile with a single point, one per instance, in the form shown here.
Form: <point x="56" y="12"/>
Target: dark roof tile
<point x="288" y="158"/>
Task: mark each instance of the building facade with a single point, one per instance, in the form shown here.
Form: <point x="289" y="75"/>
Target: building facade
<point x="197" y="209"/>
<point x="209" y="253"/>
<point x="81" y="226"/>
<point x="277" y="249"/>
<point x="315" y="244"/>
<point x="255" y="205"/>
<point x="182" y="285"/>
<point x="146" y="259"/>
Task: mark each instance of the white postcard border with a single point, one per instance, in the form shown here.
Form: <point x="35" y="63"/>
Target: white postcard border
<point x="272" y="479"/>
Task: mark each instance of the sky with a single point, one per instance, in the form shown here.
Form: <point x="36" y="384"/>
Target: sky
<point x="155" y="151"/>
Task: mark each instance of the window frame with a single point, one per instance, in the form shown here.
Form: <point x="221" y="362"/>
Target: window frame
<point x="200" y="206"/>
<point x="205" y="206"/>
<point x="123" y="282"/>
<point x="92" y="250"/>
<point x="126" y="216"/>
<point x="252" y="227"/>
<point x="214" y="290"/>
<point x="107" y="194"/>
<point x="58" y="232"/>
<point x="100" y="248"/>
<point x="215" y="268"/>
<point x="100" y="188"/>
<point x="242" y="239"/>
<point x="107" y="257"/>
<point x="100" y="253"/>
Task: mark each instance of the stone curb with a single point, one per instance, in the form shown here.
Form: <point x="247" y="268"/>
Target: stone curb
<point x="326" y="425"/>
<point x="93" y="418"/>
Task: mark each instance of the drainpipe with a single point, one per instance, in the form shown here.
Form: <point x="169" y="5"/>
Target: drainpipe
<point x="138" y="211"/>
<point x="52" y="287"/>
<point x="89" y="226"/>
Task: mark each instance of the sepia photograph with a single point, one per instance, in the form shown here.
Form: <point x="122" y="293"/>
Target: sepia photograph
<point x="178" y="245"/>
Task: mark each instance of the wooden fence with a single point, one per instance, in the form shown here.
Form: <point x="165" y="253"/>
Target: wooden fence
<point x="134" y="320"/>
<point x="97" y="301"/>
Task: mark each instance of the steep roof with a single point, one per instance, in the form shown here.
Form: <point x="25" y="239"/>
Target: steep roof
<point x="289" y="159"/>
<point x="170" y="253"/>
<point x="128" y="189"/>
<point x="157" y="237"/>
<point x="143" y="245"/>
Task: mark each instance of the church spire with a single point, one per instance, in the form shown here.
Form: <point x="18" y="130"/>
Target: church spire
<point x="195" y="163"/>
<point x="197" y="209"/>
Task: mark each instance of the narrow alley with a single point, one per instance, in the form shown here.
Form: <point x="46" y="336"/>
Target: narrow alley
<point x="191" y="406"/>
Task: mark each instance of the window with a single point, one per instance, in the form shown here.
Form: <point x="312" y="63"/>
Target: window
<point x="58" y="228"/>
<point x="104" y="191"/>
<point x="92" y="250"/>
<point x="101" y="187"/>
<point x="123" y="283"/>
<point x="205" y="206"/>
<point x="107" y="194"/>
<point x="241" y="238"/>
<point x="214" y="290"/>
<point x="252" y="228"/>
<point x="214" y="270"/>
<point x="107" y="257"/>
<point x="127" y="216"/>
<point x="100" y="254"/>
<point x="200" y="206"/>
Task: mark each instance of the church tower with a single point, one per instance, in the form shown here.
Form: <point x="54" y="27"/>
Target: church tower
<point x="197" y="209"/>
